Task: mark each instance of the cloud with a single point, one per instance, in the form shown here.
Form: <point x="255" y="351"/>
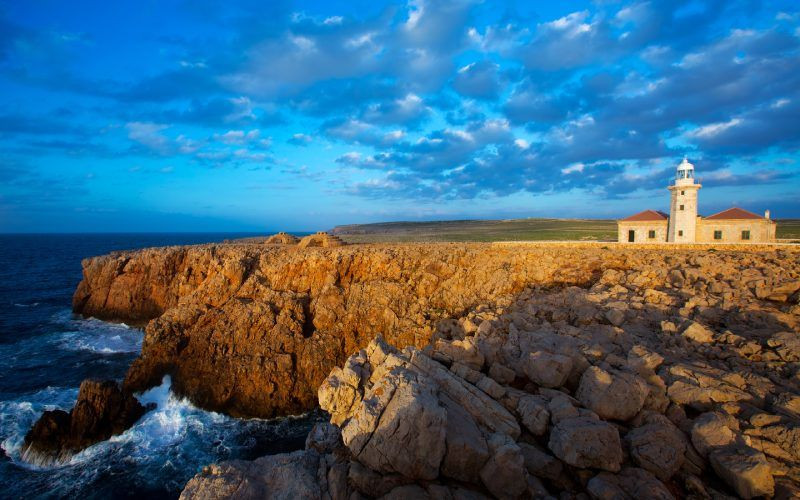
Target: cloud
<point x="150" y="135"/>
<point x="479" y="80"/>
<point x="300" y="140"/>
<point x="238" y="136"/>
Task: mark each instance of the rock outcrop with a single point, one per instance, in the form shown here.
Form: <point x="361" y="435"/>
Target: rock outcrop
<point x="102" y="410"/>
<point x="521" y="369"/>
<point x="545" y="396"/>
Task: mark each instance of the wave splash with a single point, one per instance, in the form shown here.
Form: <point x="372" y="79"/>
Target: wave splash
<point x="162" y="451"/>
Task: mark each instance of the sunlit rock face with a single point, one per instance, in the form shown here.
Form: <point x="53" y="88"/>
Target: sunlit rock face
<point x="501" y="370"/>
<point x="253" y="330"/>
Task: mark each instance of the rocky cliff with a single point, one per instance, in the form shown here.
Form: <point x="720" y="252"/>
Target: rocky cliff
<point x="669" y="374"/>
<point x="252" y="330"/>
<point x="535" y="344"/>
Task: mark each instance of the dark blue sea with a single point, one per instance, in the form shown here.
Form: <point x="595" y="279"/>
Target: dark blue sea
<point x="45" y="353"/>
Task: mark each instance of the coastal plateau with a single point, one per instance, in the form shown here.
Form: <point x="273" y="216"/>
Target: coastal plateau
<point x="472" y="370"/>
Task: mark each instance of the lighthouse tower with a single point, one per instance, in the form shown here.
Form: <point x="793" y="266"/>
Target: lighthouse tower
<point x="683" y="205"/>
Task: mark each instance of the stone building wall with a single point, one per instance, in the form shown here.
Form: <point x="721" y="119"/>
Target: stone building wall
<point x="761" y="230"/>
<point x="642" y="229"/>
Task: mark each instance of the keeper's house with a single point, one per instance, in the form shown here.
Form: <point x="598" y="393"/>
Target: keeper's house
<point x="683" y="225"/>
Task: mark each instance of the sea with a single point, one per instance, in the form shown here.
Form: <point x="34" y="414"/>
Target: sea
<point x="45" y="353"/>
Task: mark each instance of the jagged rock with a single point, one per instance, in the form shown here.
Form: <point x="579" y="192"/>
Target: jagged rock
<point x="504" y="473"/>
<point x="285" y="476"/>
<point x="101" y="410"/>
<point x="658" y="447"/>
<point x="502" y="374"/>
<point x="548" y="370"/>
<point x="712" y="430"/>
<point x="254" y="330"/>
<point x="698" y="333"/>
<point x="702" y="387"/>
<point x="539" y="463"/>
<point x="399" y="426"/>
<point x="788" y="404"/>
<point x="467" y="451"/>
<point x="587" y="442"/>
<point x="630" y="483"/>
<point x="745" y="469"/>
<point x="534" y="414"/>
<point x="612" y="394"/>
<point x="462" y="351"/>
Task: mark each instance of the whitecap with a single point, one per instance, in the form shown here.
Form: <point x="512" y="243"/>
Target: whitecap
<point x="101" y="337"/>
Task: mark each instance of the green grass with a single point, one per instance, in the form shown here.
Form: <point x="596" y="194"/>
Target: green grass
<point x="481" y="230"/>
<point x="504" y="230"/>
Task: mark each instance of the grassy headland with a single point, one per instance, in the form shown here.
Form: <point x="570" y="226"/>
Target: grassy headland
<point x="503" y="230"/>
<point x="481" y="230"/>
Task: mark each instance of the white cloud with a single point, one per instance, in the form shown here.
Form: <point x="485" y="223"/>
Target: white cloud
<point x="712" y="129"/>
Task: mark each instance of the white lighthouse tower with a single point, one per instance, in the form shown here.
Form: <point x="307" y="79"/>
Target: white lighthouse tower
<point x="683" y="205"/>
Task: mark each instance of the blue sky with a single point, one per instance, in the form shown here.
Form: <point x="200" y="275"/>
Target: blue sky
<point x="231" y="116"/>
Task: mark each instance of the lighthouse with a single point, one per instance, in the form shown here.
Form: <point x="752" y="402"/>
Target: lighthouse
<point x="683" y="205"/>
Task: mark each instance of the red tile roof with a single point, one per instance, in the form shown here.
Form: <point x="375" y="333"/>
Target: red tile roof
<point x="647" y="215"/>
<point x="734" y="213"/>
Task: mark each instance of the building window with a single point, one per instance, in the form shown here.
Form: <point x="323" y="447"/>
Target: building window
<point x="683" y="192"/>
<point x="681" y="208"/>
<point x="680" y="233"/>
<point x="745" y="235"/>
<point x="631" y="235"/>
<point x="652" y="234"/>
<point x="717" y="235"/>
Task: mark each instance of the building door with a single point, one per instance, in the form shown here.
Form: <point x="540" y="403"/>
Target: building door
<point x="631" y="235"/>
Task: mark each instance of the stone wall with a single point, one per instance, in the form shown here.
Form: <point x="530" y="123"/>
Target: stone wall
<point x="761" y="230"/>
<point x="642" y="229"/>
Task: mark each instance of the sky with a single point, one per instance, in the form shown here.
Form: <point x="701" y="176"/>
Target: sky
<point x="256" y="116"/>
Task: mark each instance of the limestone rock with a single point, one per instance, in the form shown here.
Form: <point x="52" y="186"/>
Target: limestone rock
<point x="534" y="414"/>
<point x="539" y="463"/>
<point x="712" y="430"/>
<point x="285" y="476"/>
<point x="102" y="410"/>
<point x="657" y="447"/>
<point x="504" y="473"/>
<point x="548" y="370"/>
<point x="467" y="451"/>
<point x="630" y="483"/>
<point x="745" y="469"/>
<point x="612" y="395"/>
<point x="399" y="427"/>
<point x="586" y="442"/>
<point x="698" y="333"/>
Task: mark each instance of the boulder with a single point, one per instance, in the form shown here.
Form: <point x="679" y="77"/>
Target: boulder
<point x="548" y="370"/>
<point x="612" y="394"/>
<point x="102" y="410"/>
<point x="504" y="473"/>
<point x="467" y="451"/>
<point x="713" y="429"/>
<point x="587" y="442"/>
<point x="400" y="426"/>
<point x="284" y="476"/>
<point x="698" y="333"/>
<point x="534" y="414"/>
<point x="657" y="447"/>
<point x="630" y="483"/>
<point x="745" y="469"/>
<point x="540" y="463"/>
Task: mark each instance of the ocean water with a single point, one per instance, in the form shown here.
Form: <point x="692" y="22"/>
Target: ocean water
<point x="45" y="353"/>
